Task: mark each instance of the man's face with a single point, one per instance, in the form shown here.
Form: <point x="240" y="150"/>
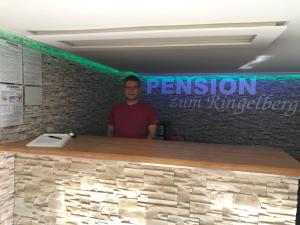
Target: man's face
<point x="132" y="90"/>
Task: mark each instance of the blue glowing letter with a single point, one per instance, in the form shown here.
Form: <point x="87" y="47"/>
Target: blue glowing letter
<point x="185" y="87"/>
<point x="165" y="84"/>
<point x="201" y="88"/>
<point x="251" y="88"/>
<point x="152" y="83"/>
<point x="232" y="86"/>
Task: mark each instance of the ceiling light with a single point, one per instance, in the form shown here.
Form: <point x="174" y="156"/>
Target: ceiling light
<point x="157" y="28"/>
<point x="257" y="60"/>
<point x="256" y="35"/>
<point x="245" y="67"/>
<point x="162" y="42"/>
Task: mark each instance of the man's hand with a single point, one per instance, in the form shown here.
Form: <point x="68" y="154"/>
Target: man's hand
<point x="152" y="131"/>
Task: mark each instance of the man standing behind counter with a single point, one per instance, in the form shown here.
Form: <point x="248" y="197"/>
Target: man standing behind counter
<point x="133" y="118"/>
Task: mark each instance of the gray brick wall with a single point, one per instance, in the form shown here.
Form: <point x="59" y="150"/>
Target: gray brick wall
<point x="77" y="98"/>
<point x="262" y="126"/>
<point x="74" y="98"/>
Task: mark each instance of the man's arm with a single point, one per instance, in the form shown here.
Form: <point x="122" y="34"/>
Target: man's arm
<point x="152" y="131"/>
<point x="110" y="131"/>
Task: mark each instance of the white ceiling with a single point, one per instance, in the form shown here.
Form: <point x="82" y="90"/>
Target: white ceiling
<point x="165" y="35"/>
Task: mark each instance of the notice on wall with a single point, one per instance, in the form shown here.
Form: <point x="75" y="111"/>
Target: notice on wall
<point x="10" y="62"/>
<point x="11" y="105"/>
<point x="32" y="69"/>
<point x="33" y="95"/>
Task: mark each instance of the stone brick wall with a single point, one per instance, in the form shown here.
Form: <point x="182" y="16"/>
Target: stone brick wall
<point x="74" y="98"/>
<point x="59" y="190"/>
<point x="6" y="188"/>
<point x="256" y="126"/>
<point x="79" y="99"/>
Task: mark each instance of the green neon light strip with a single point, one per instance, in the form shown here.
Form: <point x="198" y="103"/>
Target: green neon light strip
<point x="282" y="76"/>
<point x="62" y="54"/>
<point x="110" y="71"/>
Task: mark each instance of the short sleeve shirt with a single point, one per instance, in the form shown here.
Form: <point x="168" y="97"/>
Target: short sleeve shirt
<point x="132" y="121"/>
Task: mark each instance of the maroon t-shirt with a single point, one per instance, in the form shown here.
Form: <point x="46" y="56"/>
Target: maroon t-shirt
<point x="132" y="121"/>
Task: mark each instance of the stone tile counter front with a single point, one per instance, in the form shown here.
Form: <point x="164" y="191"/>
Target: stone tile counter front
<point x="6" y="188"/>
<point x="97" y="180"/>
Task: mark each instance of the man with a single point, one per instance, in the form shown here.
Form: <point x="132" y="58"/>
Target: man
<point x="132" y="119"/>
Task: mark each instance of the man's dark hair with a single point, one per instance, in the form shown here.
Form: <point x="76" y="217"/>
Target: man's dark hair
<point x="132" y="78"/>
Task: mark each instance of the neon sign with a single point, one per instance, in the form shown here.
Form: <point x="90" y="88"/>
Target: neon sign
<point x="202" y="86"/>
<point x="236" y="94"/>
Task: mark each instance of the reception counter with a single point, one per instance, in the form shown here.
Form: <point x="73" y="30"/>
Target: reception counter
<point x="99" y="180"/>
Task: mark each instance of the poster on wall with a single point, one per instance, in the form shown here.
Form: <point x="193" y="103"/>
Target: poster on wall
<point x="32" y="67"/>
<point x="10" y="62"/>
<point x="11" y="105"/>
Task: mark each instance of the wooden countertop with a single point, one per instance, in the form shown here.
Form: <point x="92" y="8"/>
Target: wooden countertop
<point x="214" y="156"/>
